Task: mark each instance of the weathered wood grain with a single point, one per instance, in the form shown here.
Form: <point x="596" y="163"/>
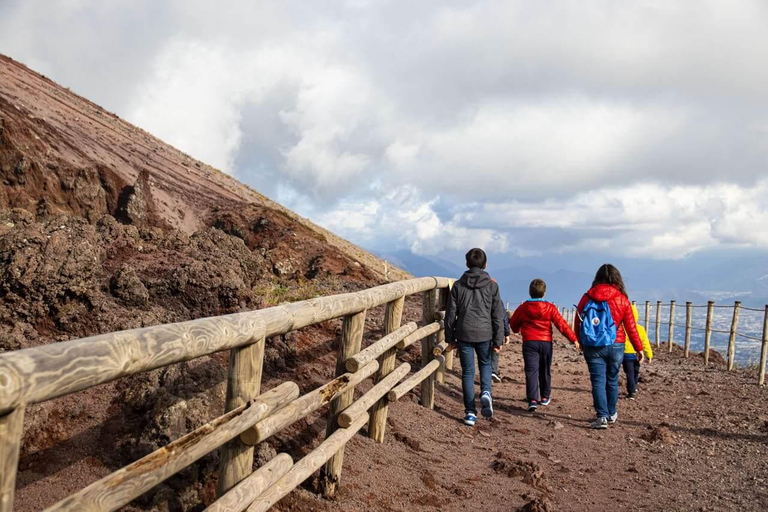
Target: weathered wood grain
<point x="671" y="337"/>
<point x="429" y="304"/>
<point x="351" y="339"/>
<point x="732" y="337"/>
<point x="411" y="382"/>
<point x="243" y="385"/>
<point x="41" y="373"/>
<point x="688" y="309"/>
<point x="304" y="468"/>
<point x="122" y="486"/>
<point x="763" y="350"/>
<point x="419" y="334"/>
<point x="376" y="393"/>
<point x="11" y="429"/>
<point x="306" y="404"/>
<point x="393" y="316"/>
<point x="708" y="329"/>
<point x="243" y="494"/>
<point x="375" y="350"/>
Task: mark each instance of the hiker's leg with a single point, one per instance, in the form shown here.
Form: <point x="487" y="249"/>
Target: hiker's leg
<point x="629" y="370"/>
<point x="596" y="362"/>
<point x="467" y="358"/>
<point x="494" y="362"/>
<point x="614" y="359"/>
<point x="484" y="351"/>
<point x="545" y="374"/>
<point x="637" y="372"/>
<point x="531" y="359"/>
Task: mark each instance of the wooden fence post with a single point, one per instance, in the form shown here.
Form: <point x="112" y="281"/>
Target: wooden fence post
<point x="708" y="330"/>
<point x="377" y="424"/>
<point x="11" y="429"/>
<point x="732" y="338"/>
<point x="688" y="311"/>
<point x="764" y="350"/>
<point x="442" y="300"/>
<point x="243" y="384"/>
<point x="658" y="322"/>
<point x="352" y="330"/>
<point x="670" y="342"/>
<point x="647" y="315"/>
<point x="427" y="344"/>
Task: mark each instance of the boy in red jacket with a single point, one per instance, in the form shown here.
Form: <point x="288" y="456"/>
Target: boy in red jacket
<point x="534" y="319"/>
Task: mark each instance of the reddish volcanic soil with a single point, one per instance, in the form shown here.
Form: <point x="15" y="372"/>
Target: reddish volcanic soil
<point x="695" y="439"/>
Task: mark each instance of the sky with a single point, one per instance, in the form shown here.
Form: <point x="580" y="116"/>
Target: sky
<point x="565" y="130"/>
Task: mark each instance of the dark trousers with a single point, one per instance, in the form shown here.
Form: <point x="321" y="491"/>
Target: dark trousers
<point x="494" y="361"/>
<point x="467" y="353"/>
<point x="538" y="359"/>
<point x="632" y="371"/>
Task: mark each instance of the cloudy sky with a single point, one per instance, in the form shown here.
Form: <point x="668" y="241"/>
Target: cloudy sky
<point x="568" y="129"/>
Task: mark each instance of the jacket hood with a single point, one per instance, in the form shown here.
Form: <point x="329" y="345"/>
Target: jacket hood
<point x="537" y="309"/>
<point x="476" y="278"/>
<point x="602" y="292"/>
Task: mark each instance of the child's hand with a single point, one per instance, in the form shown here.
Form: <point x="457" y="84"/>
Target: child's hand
<point x="640" y="357"/>
<point x="451" y="346"/>
<point x="497" y="349"/>
<point x="506" y="340"/>
<point x="578" y="346"/>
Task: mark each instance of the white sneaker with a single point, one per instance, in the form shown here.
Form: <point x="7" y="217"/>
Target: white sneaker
<point x="487" y="403"/>
<point x="613" y="417"/>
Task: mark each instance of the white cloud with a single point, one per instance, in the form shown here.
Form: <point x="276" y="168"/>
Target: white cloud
<point x="633" y="128"/>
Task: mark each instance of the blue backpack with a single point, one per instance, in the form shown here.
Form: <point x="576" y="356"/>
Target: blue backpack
<point x="597" y="326"/>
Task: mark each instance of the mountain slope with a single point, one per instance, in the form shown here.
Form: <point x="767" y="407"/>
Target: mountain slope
<point x="60" y="153"/>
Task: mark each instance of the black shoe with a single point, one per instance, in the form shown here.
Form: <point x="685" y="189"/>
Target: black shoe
<point x="632" y="396"/>
<point x="496" y="377"/>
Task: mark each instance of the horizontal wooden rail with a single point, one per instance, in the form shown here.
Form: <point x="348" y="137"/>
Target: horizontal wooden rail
<point x="365" y="402"/>
<point x="115" y="490"/>
<point x="373" y="351"/>
<point x="42" y="373"/>
<point x="414" y="380"/>
<point x="304" y="468"/>
<point x="243" y="494"/>
<point x="419" y="334"/>
<point x="441" y="348"/>
<point x="306" y="404"/>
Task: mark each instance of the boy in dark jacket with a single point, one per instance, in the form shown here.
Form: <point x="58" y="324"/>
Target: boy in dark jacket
<point x="474" y="323"/>
<point x="534" y="319"/>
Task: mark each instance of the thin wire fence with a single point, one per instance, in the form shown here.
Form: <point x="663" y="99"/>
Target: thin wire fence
<point x="741" y="335"/>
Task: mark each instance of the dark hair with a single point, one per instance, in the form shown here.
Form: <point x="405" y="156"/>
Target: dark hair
<point x="476" y="258"/>
<point x="608" y="274"/>
<point x="537" y="289"/>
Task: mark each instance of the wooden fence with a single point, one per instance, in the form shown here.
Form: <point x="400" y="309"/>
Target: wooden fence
<point x="733" y="333"/>
<point x="42" y="373"/>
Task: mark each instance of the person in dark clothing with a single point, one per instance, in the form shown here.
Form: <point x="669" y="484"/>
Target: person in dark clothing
<point x="495" y="375"/>
<point x="533" y="319"/>
<point x="474" y="324"/>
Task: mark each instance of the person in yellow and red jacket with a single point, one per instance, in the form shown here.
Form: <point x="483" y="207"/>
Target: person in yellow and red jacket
<point x="630" y="363"/>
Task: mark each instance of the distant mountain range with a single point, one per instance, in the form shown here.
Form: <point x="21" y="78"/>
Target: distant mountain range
<point x="722" y="276"/>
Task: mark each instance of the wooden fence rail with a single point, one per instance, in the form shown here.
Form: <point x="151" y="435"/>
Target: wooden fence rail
<point x="43" y="373"/>
<point x="733" y="332"/>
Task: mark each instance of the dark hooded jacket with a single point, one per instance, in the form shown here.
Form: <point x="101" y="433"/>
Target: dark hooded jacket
<point x="474" y="312"/>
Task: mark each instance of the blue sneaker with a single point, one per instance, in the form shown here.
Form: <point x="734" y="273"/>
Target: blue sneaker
<point x="470" y="419"/>
<point x="544" y="401"/>
<point x="487" y="403"/>
<point x="532" y="406"/>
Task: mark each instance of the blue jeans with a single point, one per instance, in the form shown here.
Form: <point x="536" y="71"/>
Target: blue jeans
<point x="467" y="353"/>
<point x="604" y="364"/>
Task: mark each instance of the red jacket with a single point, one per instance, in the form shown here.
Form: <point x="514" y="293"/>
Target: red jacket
<point x="621" y="311"/>
<point x="534" y="319"/>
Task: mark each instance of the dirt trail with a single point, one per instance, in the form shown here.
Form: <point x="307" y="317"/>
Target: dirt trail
<point x="695" y="439"/>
